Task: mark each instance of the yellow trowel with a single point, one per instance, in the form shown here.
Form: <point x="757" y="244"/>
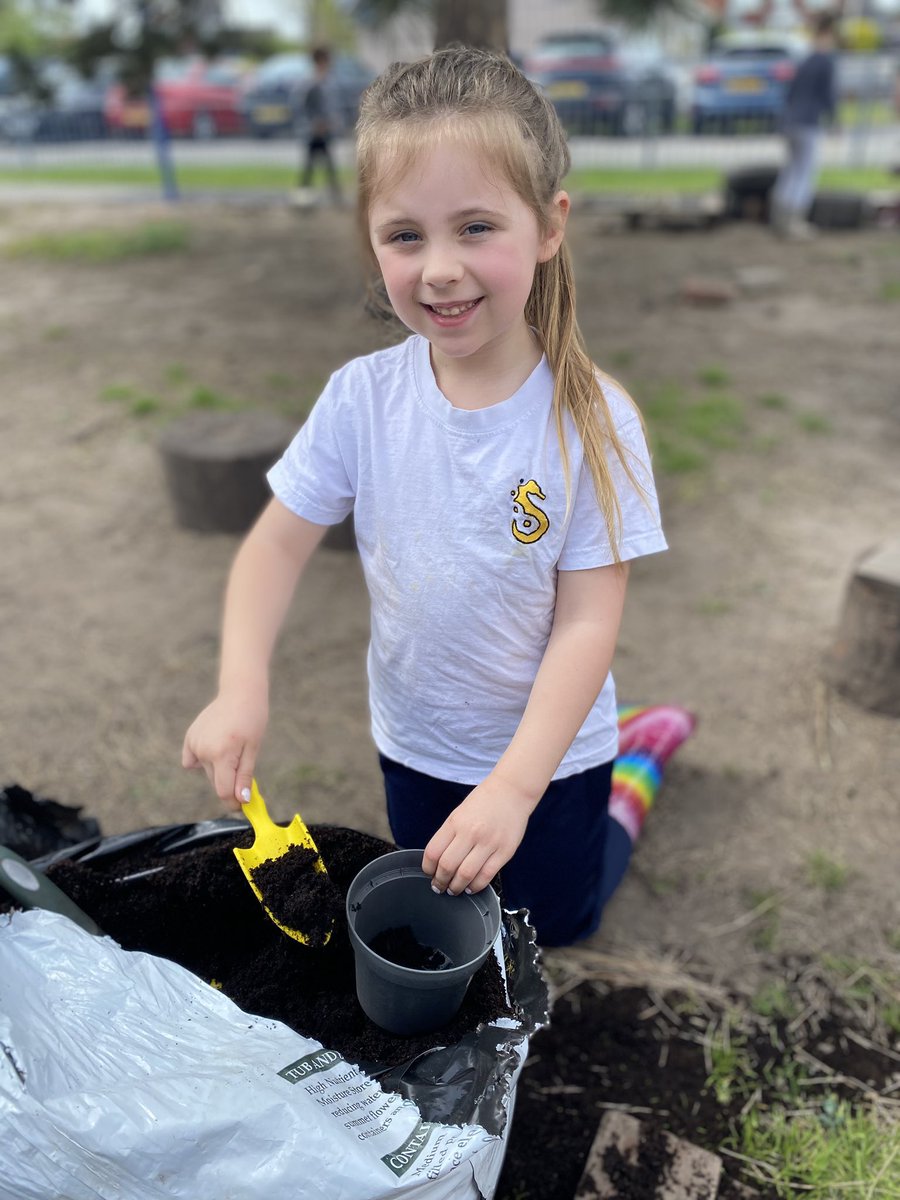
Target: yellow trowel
<point x="285" y="870"/>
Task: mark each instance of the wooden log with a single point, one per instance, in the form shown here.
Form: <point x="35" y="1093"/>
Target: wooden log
<point x="659" y="1165"/>
<point x="215" y="466"/>
<point x="864" y="660"/>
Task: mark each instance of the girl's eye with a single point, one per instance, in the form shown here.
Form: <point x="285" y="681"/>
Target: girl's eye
<point x="405" y="237"/>
<point x="477" y="227"/>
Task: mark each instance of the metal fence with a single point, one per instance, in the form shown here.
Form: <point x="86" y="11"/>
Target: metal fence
<point x="618" y="132"/>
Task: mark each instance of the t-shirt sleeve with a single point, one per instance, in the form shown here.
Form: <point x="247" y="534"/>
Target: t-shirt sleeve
<point x="316" y="476"/>
<point x="587" y="543"/>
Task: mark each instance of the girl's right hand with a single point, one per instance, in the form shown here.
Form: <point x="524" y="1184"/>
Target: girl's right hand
<point x="224" y="741"/>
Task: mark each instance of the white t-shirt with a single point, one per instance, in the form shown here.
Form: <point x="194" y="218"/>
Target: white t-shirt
<point x="462" y="525"/>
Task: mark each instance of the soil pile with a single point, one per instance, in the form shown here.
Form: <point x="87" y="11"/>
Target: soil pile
<point x="200" y="911"/>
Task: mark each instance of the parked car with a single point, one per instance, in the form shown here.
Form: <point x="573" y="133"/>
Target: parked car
<point x="601" y="83"/>
<point x="198" y="98"/>
<point x="744" y="80"/>
<point x="273" y="101"/>
<point x="68" y="108"/>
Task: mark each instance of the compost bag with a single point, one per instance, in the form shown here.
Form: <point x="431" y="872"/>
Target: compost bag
<point x="154" y="1062"/>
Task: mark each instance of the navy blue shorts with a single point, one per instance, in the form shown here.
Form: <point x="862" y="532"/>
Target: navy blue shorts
<point x="560" y="872"/>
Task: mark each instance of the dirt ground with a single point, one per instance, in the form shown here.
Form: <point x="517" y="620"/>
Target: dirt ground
<point x="109" y="611"/>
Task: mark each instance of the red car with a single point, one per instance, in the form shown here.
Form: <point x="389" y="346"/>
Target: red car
<point x="198" y="99"/>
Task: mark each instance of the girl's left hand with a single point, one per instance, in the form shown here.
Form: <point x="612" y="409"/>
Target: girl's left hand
<point x="478" y="837"/>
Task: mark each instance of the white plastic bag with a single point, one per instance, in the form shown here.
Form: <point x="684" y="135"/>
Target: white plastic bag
<point x="125" y="1077"/>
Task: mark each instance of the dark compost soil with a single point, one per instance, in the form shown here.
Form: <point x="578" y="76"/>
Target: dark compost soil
<point x="298" y="895"/>
<point x="200" y="911"/>
<point x="606" y="1047"/>
<point x="620" y="1049"/>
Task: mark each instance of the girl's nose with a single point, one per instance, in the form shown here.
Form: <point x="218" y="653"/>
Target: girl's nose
<point x="441" y="267"/>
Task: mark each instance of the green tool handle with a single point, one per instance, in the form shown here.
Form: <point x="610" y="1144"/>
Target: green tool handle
<point x="32" y="889"/>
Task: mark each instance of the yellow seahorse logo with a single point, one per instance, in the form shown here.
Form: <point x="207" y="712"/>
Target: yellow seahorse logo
<point x="529" y="523"/>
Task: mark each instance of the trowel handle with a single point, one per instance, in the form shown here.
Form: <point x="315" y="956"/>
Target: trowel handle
<point x="256" y="812"/>
<point x="32" y="889"/>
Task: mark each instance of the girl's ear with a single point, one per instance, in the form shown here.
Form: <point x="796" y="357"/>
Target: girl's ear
<point x="559" y="214"/>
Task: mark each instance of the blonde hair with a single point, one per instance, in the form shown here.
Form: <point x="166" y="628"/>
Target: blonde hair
<point x="481" y="99"/>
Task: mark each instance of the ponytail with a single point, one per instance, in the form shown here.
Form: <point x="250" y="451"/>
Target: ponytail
<point x="578" y="391"/>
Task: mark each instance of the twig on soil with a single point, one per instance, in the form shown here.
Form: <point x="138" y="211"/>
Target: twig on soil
<point x="746" y="918"/>
<point x="867" y="1044"/>
<point x="833" y="1077"/>
<point x="657" y="976"/>
<point x="822" y="726"/>
<point x="661" y="1006"/>
<point x="631" y="1108"/>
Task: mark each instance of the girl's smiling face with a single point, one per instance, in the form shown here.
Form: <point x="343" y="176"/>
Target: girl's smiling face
<point x="457" y="248"/>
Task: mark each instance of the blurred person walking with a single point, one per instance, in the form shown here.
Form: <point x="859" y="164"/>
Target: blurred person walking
<point x="811" y="97"/>
<point x="323" y="123"/>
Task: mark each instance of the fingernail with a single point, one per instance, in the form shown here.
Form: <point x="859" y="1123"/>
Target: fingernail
<point x="436" y="889"/>
<point x="468" y="891"/>
<point x="245" y="795"/>
<point x="449" y="893"/>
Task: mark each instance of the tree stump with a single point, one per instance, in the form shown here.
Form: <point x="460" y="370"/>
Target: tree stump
<point x="215" y="465"/>
<point x="864" y="661"/>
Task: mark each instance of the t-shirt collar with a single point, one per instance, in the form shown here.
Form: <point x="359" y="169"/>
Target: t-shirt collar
<point x="536" y="390"/>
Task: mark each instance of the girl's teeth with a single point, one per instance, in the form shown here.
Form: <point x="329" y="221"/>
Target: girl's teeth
<point x="455" y="310"/>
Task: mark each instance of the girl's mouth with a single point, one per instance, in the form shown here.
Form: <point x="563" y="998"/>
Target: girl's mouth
<point x="452" y="312"/>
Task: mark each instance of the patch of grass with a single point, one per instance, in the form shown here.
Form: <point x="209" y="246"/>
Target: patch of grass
<point x="811" y="422"/>
<point x="823" y="872"/>
<point x="774" y="1000"/>
<point x="715" y="420"/>
<point x="767" y="925"/>
<point x="145" y="406"/>
<point x="117" y="393"/>
<point x="273" y="177"/>
<point x="206" y="397"/>
<point x="177" y="373"/>
<point x="713" y="376"/>
<point x="673" y="458"/>
<point x="705" y="179"/>
<point x="138" y="404"/>
<point x="890" y="291"/>
<point x="890" y="1014"/>
<point x="684" y="429"/>
<point x="56" y="333"/>
<point x="774" y="400"/>
<point x="664" y="885"/>
<point x="822" y="1152"/>
<point x="105" y="245"/>
<point x="190" y="176"/>
<point x="731" y="1069"/>
<point x="183" y="393"/>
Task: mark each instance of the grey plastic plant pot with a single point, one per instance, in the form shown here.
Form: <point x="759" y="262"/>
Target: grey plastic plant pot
<point x="393" y="892"/>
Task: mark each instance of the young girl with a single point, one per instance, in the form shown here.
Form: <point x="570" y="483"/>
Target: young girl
<point x="499" y="487"/>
